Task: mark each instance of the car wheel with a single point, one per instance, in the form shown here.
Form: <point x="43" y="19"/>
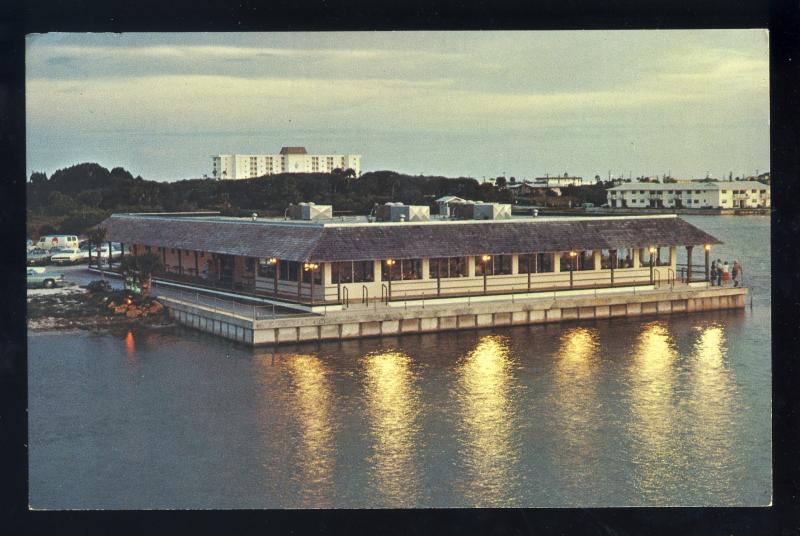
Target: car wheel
<point x="48" y="283"/>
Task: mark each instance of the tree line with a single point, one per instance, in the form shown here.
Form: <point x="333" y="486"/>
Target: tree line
<point x="76" y="198"/>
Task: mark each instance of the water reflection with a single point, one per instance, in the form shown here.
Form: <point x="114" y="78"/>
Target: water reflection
<point x="575" y="400"/>
<point x="489" y="446"/>
<point x="130" y="347"/>
<point x="714" y="408"/>
<point x="659" y="460"/>
<point x="393" y="406"/>
<point x="312" y="407"/>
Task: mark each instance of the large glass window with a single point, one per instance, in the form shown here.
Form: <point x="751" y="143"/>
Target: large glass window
<point x="605" y="259"/>
<point x="353" y="272"/>
<point x="307" y="273"/>
<point x="624" y="258"/>
<point x="448" y="267"/>
<point x="402" y="270"/>
<point x="363" y="271"/>
<point x="496" y="265"/>
<point x="265" y="269"/>
<point x="288" y="270"/>
<point x="536" y="263"/>
<point x="585" y="260"/>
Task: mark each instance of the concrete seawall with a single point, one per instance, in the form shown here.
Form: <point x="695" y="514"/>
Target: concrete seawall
<point x="369" y="322"/>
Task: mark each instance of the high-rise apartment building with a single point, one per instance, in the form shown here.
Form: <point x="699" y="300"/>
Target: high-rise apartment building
<point x="289" y="160"/>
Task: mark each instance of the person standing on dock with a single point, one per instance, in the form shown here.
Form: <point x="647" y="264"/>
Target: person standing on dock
<point x="726" y="274"/>
<point x="736" y="272"/>
<point x="713" y="273"/>
<point x="719" y="272"/>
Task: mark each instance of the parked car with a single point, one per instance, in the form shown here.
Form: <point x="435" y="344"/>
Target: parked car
<point x="70" y="256"/>
<point x="30" y="245"/>
<point x="40" y="277"/>
<point x="38" y="257"/>
<point x="116" y="251"/>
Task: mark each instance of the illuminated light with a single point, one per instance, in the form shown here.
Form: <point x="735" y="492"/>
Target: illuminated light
<point x="390" y="262"/>
<point x="486" y="258"/>
<point x="652" y="249"/>
<point x="393" y="407"/>
<point x="272" y="260"/>
<point x="573" y="253"/>
<point x="707" y="247"/>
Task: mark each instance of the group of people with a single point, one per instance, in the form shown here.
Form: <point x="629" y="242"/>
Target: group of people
<point x="722" y="272"/>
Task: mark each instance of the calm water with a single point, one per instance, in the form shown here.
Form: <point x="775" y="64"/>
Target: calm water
<point x="657" y="411"/>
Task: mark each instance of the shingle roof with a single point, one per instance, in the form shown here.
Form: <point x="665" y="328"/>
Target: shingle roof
<point x="335" y="242"/>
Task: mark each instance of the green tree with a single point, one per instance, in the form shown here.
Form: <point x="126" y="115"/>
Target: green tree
<point x="97" y="236"/>
<point x="138" y="270"/>
<point x="500" y="182"/>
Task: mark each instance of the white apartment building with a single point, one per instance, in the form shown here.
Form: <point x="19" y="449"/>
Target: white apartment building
<point x="289" y="160"/>
<point x="726" y="194"/>
<point x="557" y="180"/>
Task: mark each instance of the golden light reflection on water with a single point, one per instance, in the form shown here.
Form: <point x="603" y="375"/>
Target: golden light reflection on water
<point x="575" y="402"/>
<point x="312" y="403"/>
<point x="713" y="414"/>
<point x="657" y="450"/>
<point x="393" y="406"/>
<point x="487" y="415"/>
<point x="130" y="346"/>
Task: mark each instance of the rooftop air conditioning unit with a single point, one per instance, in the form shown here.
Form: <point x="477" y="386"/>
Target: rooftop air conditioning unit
<point x="310" y="212"/>
<point x="401" y="212"/>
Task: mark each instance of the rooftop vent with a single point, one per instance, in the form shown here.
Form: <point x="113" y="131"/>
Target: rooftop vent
<point x="401" y="212"/>
<point x="309" y="211"/>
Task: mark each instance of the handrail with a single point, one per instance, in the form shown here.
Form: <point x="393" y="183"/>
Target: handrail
<point x="384" y="293"/>
<point x="671" y="282"/>
<point x="346" y="296"/>
<point x="656" y="278"/>
<point x="364" y="294"/>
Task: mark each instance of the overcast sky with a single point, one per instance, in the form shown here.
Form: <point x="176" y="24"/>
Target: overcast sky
<point x="452" y="103"/>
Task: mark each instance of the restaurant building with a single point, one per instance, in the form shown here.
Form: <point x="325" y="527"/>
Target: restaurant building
<point x="318" y="259"/>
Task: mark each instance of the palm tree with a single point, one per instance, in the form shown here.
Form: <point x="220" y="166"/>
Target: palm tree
<point x="97" y="235"/>
<point x="138" y="270"/>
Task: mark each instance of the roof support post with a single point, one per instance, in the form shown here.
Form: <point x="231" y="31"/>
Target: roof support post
<point x="612" y="261"/>
<point x="196" y="265"/>
<point x="299" y="281"/>
<point x="180" y="262"/>
<point x="689" y="263"/>
<point x="277" y="275"/>
<point x="439" y="275"/>
<point x="528" y="267"/>
<point x="708" y="263"/>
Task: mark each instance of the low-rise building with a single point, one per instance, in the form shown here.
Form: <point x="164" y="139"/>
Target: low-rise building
<point x="564" y="180"/>
<point x="334" y="261"/>
<point x="727" y="194"/>
<point x="288" y="160"/>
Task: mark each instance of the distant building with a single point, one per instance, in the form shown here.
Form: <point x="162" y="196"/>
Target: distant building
<point x="446" y="203"/>
<point x="726" y="194"/>
<point x="564" y="180"/>
<point x="289" y="160"/>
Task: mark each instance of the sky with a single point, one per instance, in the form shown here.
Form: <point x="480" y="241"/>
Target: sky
<point x="477" y="104"/>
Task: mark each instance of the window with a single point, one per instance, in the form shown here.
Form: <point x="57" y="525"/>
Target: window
<point x="265" y="269"/>
<point x="402" y="270"/>
<point x="724" y="191"/>
<point x="249" y="264"/>
<point x="585" y="260"/>
<point x="448" y="267"/>
<point x="317" y="275"/>
<point x="288" y="270"/>
<point x="353" y="272"/>
<point x="496" y="265"/>
<point x="536" y="263"/>
<point x="605" y="259"/>
<point x="624" y="258"/>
